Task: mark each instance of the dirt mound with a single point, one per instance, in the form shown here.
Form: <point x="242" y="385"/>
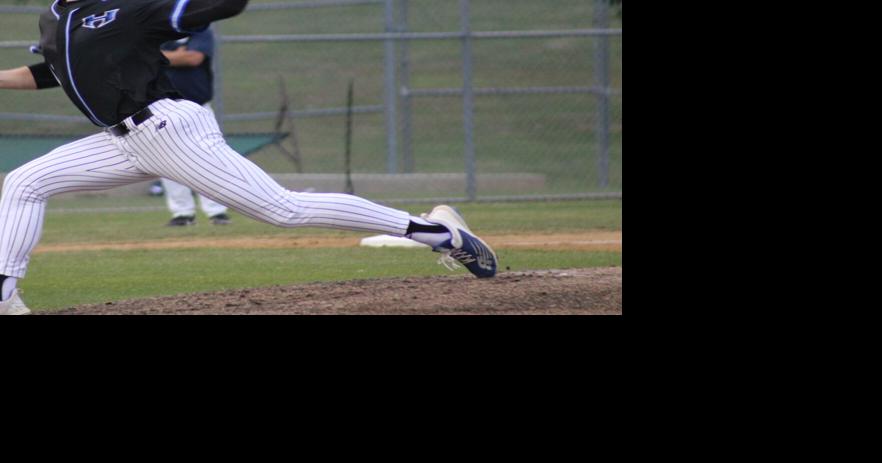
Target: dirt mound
<point x="578" y="291"/>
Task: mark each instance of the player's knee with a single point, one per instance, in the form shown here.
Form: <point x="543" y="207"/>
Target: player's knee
<point x="13" y="181"/>
<point x="18" y="186"/>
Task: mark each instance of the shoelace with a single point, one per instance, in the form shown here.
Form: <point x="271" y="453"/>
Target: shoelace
<point x="448" y="261"/>
<point x="453" y="257"/>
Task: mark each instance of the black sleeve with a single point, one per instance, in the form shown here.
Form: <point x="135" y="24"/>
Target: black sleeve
<point x="183" y="16"/>
<point x="43" y="76"/>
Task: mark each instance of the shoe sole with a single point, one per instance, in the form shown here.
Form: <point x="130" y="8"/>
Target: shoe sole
<point x="20" y="312"/>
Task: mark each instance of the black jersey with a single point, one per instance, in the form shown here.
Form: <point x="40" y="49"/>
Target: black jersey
<point x="106" y="53"/>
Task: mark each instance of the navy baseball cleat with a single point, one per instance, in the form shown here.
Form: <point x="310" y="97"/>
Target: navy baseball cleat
<point x="464" y="247"/>
<point x="182" y="221"/>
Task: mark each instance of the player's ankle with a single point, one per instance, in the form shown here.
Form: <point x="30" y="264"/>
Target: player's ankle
<point x="7" y="286"/>
<point x="428" y="233"/>
<point x="418" y="225"/>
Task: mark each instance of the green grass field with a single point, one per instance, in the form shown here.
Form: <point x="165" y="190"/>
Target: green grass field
<point x="62" y="279"/>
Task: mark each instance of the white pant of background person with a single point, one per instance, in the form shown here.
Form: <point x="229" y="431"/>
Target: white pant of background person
<point x="179" y="198"/>
<point x="181" y="142"/>
<point x="181" y="203"/>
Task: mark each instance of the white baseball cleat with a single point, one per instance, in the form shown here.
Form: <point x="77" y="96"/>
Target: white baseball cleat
<point x="464" y="247"/>
<point x="14" y="306"/>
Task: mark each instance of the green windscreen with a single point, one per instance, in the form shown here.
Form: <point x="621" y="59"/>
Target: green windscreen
<point x="18" y="150"/>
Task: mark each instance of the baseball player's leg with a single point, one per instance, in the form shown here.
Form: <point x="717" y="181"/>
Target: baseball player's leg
<point x="179" y="199"/>
<point x="215" y="211"/>
<point x="90" y="164"/>
<point x="190" y="149"/>
<point x="184" y="143"/>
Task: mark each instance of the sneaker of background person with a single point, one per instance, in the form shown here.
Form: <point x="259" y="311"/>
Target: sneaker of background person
<point x="220" y="219"/>
<point x="182" y="221"/>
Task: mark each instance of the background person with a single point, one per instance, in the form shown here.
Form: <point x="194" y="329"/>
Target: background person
<point x="191" y="74"/>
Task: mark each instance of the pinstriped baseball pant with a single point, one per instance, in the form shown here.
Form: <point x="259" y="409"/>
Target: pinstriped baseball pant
<point x="181" y="142"/>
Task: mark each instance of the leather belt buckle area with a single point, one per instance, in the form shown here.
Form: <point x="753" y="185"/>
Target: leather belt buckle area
<point x="119" y="130"/>
<point x="138" y="118"/>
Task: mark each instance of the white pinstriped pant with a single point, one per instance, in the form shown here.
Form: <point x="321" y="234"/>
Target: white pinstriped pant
<point x="181" y="142"/>
<point x="179" y="198"/>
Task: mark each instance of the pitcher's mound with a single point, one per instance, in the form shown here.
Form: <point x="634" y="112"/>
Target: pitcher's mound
<point x="577" y="291"/>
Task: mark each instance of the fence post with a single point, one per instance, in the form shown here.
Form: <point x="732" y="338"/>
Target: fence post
<point x="468" y="99"/>
<point x="406" y="99"/>
<point x="217" y="101"/>
<point x="391" y="99"/>
<point x="601" y="77"/>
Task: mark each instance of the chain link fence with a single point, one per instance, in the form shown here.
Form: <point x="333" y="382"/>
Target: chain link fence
<point x="474" y="99"/>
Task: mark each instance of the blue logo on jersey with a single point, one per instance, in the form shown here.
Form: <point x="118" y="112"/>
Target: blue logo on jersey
<point x="95" y="22"/>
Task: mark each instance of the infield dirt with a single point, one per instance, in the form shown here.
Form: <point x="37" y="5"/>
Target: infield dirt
<point x="596" y="291"/>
